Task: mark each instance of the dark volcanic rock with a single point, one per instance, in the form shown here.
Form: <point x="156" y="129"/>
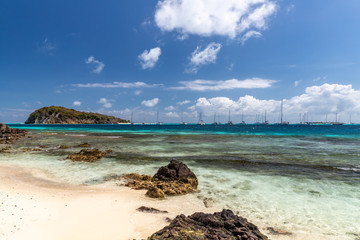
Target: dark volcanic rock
<point x="87" y="155"/>
<point x="201" y="226"/>
<point x="175" y="171"/>
<point x="174" y="179"/>
<point x="10" y="135"/>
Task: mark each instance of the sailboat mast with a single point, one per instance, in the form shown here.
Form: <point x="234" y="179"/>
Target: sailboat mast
<point x="229" y="115"/>
<point x="281" y="111"/>
<point x="265" y="117"/>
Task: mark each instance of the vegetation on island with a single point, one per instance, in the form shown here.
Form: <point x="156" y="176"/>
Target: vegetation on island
<point x="61" y="115"/>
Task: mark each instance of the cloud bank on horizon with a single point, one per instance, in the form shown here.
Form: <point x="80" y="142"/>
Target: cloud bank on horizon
<point x="319" y="101"/>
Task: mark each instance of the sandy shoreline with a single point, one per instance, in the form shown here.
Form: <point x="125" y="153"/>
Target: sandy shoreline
<point x="35" y="206"/>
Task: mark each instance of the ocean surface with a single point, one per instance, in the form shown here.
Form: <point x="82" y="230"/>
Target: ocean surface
<point x="302" y="179"/>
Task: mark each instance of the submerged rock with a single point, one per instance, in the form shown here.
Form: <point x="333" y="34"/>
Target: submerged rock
<point x="82" y="145"/>
<point x="5" y="150"/>
<point x="87" y="155"/>
<point x="150" y="210"/>
<point x="63" y="147"/>
<point x="174" y="179"/>
<point x="275" y="231"/>
<point x="202" y="226"/>
<point x="10" y="135"/>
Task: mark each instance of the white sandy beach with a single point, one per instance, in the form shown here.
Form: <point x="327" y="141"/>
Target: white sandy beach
<point x="33" y="206"/>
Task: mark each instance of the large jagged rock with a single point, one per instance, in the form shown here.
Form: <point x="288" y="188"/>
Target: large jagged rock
<point x="10" y="135"/>
<point x="174" y="179"/>
<point x="87" y="155"/>
<point x="201" y="226"/>
<point x="61" y="115"/>
<point x="176" y="171"/>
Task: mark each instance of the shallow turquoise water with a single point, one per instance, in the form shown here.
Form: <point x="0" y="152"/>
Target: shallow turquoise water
<point x="304" y="179"/>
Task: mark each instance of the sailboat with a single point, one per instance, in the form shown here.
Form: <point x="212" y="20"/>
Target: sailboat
<point x="131" y="121"/>
<point x="201" y="122"/>
<point x="281" y="115"/>
<point x="215" y="122"/>
<point x="336" y="121"/>
<point x="157" y="119"/>
<point x="182" y="119"/>
<point x="242" y="119"/>
<point x="266" y="122"/>
<point x="229" y="122"/>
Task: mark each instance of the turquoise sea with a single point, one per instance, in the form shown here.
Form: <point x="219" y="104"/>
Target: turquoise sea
<point x="302" y="179"/>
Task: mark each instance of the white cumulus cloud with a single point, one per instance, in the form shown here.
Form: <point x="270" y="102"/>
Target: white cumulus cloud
<point x="205" y="85"/>
<point x="148" y="59"/>
<point x="150" y="103"/>
<point x="170" y="108"/>
<point x="77" y="103"/>
<point x="98" y="66"/>
<point x="201" y="57"/>
<point x="214" y="17"/>
<point x="105" y="102"/>
<point x="183" y="102"/>
<point x="172" y="114"/>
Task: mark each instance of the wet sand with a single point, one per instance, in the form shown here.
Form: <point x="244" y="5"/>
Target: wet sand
<point x="33" y="205"/>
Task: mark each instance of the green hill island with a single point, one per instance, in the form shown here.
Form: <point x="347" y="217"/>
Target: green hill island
<point x="61" y="115"/>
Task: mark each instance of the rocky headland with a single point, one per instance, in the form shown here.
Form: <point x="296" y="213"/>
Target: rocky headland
<point x="174" y="179"/>
<point x="10" y="135"/>
<point x="61" y="115"/>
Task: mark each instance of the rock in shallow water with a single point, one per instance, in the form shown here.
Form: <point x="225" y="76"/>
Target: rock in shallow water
<point x="10" y="135"/>
<point x="87" y="155"/>
<point x="174" y="179"/>
<point x="201" y="226"/>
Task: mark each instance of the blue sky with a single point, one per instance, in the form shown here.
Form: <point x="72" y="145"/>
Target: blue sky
<point x="181" y="58"/>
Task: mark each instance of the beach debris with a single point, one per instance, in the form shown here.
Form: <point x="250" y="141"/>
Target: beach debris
<point x="87" y="155"/>
<point x="10" y="135"/>
<point x="82" y="145"/>
<point x="150" y="210"/>
<point x="201" y="226"/>
<point x="174" y="179"/>
<point x="275" y="231"/>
